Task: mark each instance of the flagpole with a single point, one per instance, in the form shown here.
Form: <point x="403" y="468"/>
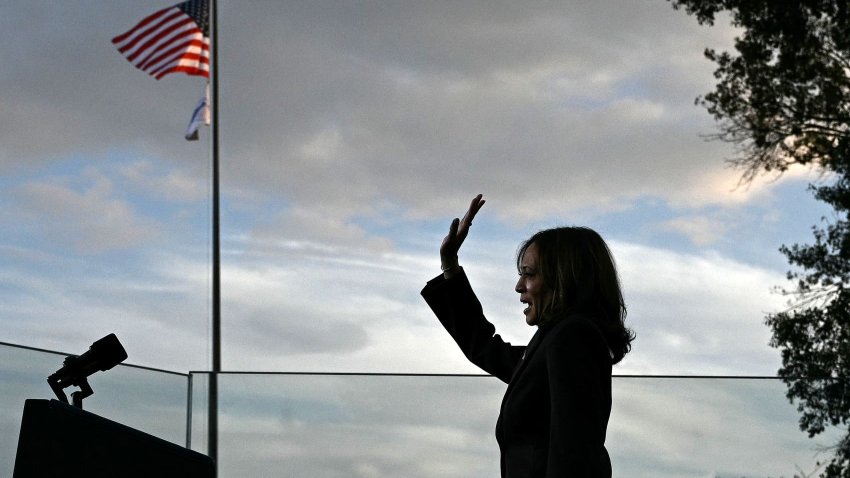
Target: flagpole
<point x="212" y="409"/>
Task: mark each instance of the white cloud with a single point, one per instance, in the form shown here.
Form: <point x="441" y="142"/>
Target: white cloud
<point x="90" y="221"/>
<point x="305" y="225"/>
<point x="591" y="105"/>
<point x="701" y="230"/>
<point x="307" y="305"/>
<point x="698" y="312"/>
<point x="175" y="185"/>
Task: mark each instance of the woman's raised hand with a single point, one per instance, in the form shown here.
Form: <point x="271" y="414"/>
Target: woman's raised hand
<point x="457" y="233"/>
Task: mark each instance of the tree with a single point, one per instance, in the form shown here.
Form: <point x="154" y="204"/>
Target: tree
<point x="783" y="98"/>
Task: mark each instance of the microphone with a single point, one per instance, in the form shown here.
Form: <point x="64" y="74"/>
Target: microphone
<point x="102" y="355"/>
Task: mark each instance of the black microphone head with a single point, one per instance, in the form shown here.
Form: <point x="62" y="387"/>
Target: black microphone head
<point x="102" y="355"/>
<point x="107" y="352"/>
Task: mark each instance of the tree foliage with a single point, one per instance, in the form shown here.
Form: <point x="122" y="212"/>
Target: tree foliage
<point x="783" y="98"/>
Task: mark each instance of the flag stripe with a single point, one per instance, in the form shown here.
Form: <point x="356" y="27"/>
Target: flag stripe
<point x="161" y="36"/>
<point x="153" y="16"/>
<point x="171" y="40"/>
<point x="190" y="62"/>
<point x="196" y="44"/>
<point x="199" y="63"/>
<point x="190" y="53"/>
<point x="182" y="40"/>
<point x="189" y="70"/>
<point x="146" y="33"/>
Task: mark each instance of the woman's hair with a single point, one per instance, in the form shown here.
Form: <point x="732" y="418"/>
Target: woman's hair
<point x="579" y="270"/>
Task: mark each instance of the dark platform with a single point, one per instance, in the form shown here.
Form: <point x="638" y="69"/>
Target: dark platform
<point x="58" y="439"/>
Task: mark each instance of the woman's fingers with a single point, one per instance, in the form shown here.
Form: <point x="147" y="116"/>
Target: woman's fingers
<point x="474" y="207"/>
<point x="460" y="228"/>
<point x="450" y="244"/>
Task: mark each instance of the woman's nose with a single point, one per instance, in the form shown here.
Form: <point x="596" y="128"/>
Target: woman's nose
<point x="519" y="287"/>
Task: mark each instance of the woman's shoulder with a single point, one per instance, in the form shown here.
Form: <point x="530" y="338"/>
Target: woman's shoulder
<point x="575" y="323"/>
<point x="577" y="331"/>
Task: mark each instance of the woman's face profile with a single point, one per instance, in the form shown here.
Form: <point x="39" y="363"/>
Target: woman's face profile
<point x="532" y="291"/>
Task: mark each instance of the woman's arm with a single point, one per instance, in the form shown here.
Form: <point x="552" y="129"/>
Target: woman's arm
<point x="455" y="305"/>
<point x="451" y="298"/>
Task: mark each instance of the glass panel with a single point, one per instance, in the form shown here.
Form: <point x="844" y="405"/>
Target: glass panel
<point x="708" y="427"/>
<point x="350" y="426"/>
<point x="426" y="426"/>
<point x="152" y="401"/>
<point x="324" y="426"/>
<point x="200" y="399"/>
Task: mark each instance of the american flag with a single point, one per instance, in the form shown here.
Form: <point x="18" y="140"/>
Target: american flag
<point x="174" y="39"/>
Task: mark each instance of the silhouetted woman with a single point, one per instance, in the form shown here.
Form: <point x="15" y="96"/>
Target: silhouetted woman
<point x="555" y="411"/>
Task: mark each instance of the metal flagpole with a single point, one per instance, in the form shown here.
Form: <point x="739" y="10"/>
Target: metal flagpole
<point x="212" y="409"/>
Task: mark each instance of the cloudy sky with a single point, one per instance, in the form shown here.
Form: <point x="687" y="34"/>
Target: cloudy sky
<point x="351" y="134"/>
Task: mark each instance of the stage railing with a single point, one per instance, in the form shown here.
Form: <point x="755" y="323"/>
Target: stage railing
<point x="418" y="426"/>
<point x="412" y="425"/>
<point x="152" y="400"/>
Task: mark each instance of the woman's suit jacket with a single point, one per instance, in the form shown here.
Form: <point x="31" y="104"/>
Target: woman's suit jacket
<point x="555" y="411"/>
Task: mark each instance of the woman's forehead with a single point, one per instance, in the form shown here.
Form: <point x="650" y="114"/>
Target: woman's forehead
<point x="529" y="255"/>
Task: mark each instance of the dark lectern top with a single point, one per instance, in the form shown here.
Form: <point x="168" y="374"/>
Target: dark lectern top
<point x="58" y="439"/>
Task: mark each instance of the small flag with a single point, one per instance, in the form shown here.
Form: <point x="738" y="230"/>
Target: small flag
<point x="200" y="115"/>
<point x="172" y="40"/>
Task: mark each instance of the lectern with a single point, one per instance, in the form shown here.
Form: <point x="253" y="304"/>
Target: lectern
<point x="58" y="439"/>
